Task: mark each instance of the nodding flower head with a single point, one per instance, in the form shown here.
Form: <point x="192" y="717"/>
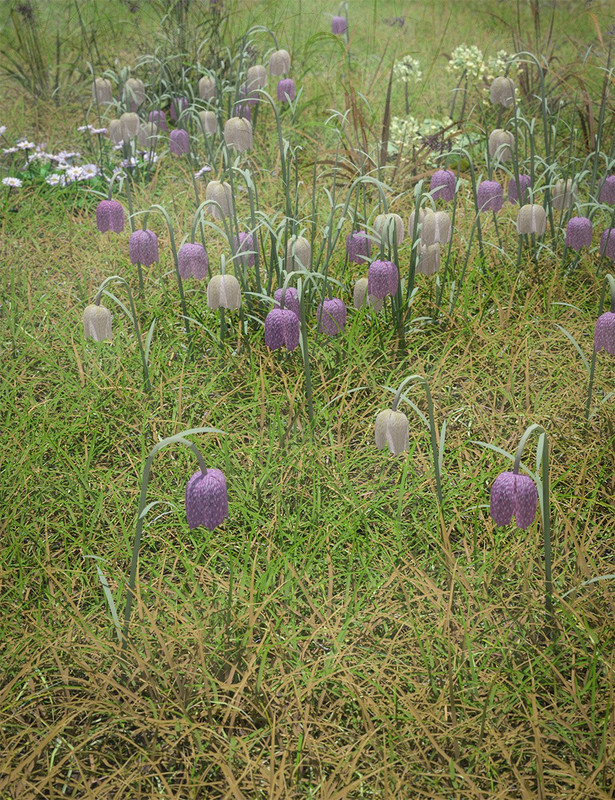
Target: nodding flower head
<point x="359" y="294"/>
<point x="279" y="63"/>
<point x="97" y="323"/>
<point x="245" y="248"/>
<point x="358" y="247"/>
<point x="291" y="299"/>
<point x="338" y="25"/>
<point x="207" y="88"/>
<point x="179" y="142"/>
<point x="282" y="329"/>
<point x="159" y="118"/>
<point x="513" y="495"/>
<point x="129" y="125"/>
<point x="256" y="77"/>
<point x="607" y="191"/>
<point x="114" y="131"/>
<point x="110" y="216"/>
<point x="220" y="194"/>
<point x="442" y="185"/>
<point x="531" y="219"/>
<point x="102" y="91"/>
<point x="238" y="134"/>
<point x="331" y="315"/>
<point x="298" y="253"/>
<point x="223" y="291"/>
<point x="579" y="233"/>
<point x="563" y="194"/>
<point x="501" y="145"/>
<point x="502" y="92"/>
<point x="389" y="228"/>
<point x="411" y="220"/>
<point x="148" y="135"/>
<point x="513" y="191"/>
<point x="435" y="227"/>
<point x="286" y="90"/>
<point x="143" y="247"/>
<point x="206" y="499"/>
<point x="428" y="261"/>
<point x="134" y="93"/>
<point x="607" y="243"/>
<point x="209" y="121"/>
<point x="178" y="105"/>
<point x="489" y="196"/>
<point x="383" y="279"/>
<point x="192" y="261"/>
<point x="392" y="431"/>
<point x="604" y="333"/>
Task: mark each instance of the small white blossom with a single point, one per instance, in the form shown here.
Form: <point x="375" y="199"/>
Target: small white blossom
<point x="150" y="158"/>
<point x="84" y="128"/>
<point x="129" y="162"/>
<point x="65" y="155"/>
<point x="407" y="70"/>
<point x="468" y="60"/>
<point x="8" y="150"/>
<point x="14" y="182"/>
<point x="2" y="130"/>
<point x="73" y="174"/>
<point x="99" y="130"/>
<point x="54" y="179"/>
<point x="202" y="172"/>
<point x="89" y="171"/>
<point x="24" y="144"/>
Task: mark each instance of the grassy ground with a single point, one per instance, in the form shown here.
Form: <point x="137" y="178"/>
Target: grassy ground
<point x="340" y="635"/>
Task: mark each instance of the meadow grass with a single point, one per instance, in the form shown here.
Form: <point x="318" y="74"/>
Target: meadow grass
<point x="342" y="634"/>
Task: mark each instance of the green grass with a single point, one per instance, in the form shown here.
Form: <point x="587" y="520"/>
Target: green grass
<point x="339" y="636"/>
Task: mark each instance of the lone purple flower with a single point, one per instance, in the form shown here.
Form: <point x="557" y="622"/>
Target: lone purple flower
<point x="331" y="316"/>
<point x="179" y="142"/>
<point x="607" y="191"/>
<point x="110" y="216"/>
<point x="604" y="333"/>
<point x="383" y="279"/>
<point x="192" y="261"/>
<point x="143" y="247"/>
<point x="489" y="196"/>
<point x="282" y="328"/>
<point x="206" y="499"/>
<point x="579" y="233"/>
<point x="358" y="247"/>
<point x="513" y="495"/>
<point x="443" y="184"/>
<point x="607" y="243"/>
<point x="286" y="90"/>
<point x="338" y="25"/>
<point x="291" y="299"/>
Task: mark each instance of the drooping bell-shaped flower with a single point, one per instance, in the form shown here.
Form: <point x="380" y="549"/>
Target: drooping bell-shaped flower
<point x="604" y="333"/>
<point x="607" y="191"/>
<point x="256" y="77"/>
<point x="238" y="134"/>
<point x="435" y="227"/>
<point x="531" y="219"/>
<point x="331" y="315"/>
<point x="110" y="216"/>
<point x="338" y="25"/>
<point x="245" y="248"/>
<point x="442" y="185"/>
<point x="298" y="253"/>
<point x="279" y="63"/>
<point x="358" y="247"/>
<point x="428" y="260"/>
<point x="513" y="191"/>
<point x="282" y="329"/>
<point x="179" y="142"/>
<point x="134" y="93"/>
<point x="422" y="214"/>
<point x="148" y="135"/>
<point x="563" y="194"/>
<point x="206" y="499"/>
<point x="392" y="431"/>
<point x="607" y="243"/>
<point x="129" y="125"/>
<point x="223" y="291"/>
<point x="207" y="88"/>
<point x="286" y="90"/>
<point x="221" y="194"/>
<point x="489" y="196"/>
<point x="360" y="293"/>
<point x="192" y="261"/>
<point x="102" y="91"/>
<point x="290" y="300"/>
<point x="513" y="495"/>
<point x="209" y="121"/>
<point x="143" y="247"/>
<point x="178" y="106"/>
<point x="389" y="228"/>
<point x="501" y="145"/>
<point x="579" y="233"/>
<point x="502" y="92"/>
<point x="159" y="118"/>
<point x="96" y="323"/>
<point x="383" y="279"/>
<point x="114" y="131"/>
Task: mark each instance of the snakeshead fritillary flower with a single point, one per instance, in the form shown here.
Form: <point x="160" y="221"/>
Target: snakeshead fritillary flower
<point x="207" y="88"/>
<point x="143" y="247"/>
<point x="358" y="247"/>
<point x="298" y="253"/>
<point x="607" y="243"/>
<point x="331" y="315"/>
<point x="286" y="90"/>
<point x="389" y="228"/>
<point x="96" y="323"/>
<point x="563" y="194"/>
<point x="607" y="191"/>
<point x="435" y="227"/>
<point x="513" y="495"/>
<point x="179" y="142"/>
<point x="209" y="121"/>
<point x="178" y="105"/>
<point x="502" y="92"/>
<point x="524" y="184"/>
<point x="501" y="145"/>
<point x="238" y="134"/>
<point x="291" y="299"/>
<point x="422" y="215"/>
<point x="129" y="125"/>
<point x="134" y="93"/>
<point x="282" y="328"/>
<point x="102" y="91"/>
<point x="159" y="118"/>
<point x="359" y="294"/>
<point x="110" y="216"/>
<point x="338" y="25"/>
<point x="579" y="233"/>
<point x="244" y="247"/>
<point x="256" y="77"/>
<point x="531" y="219"/>
<point x="489" y="196"/>
<point x="223" y="291"/>
<point x="279" y="63"/>
<point x="392" y="431"/>
<point x="604" y="333"/>
<point x="206" y="499"/>
<point x="383" y="279"/>
<point x="428" y="261"/>
<point x="442" y="185"/>
<point x="221" y="194"/>
<point x="192" y="261"/>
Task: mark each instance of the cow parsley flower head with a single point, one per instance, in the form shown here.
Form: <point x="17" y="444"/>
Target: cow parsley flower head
<point x="407" y="70"/>
<point x="468" y="60"/>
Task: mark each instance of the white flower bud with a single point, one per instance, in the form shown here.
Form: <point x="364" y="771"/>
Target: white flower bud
<point x="102" y="91"/>
<point x="97" y="323"/>
<point x="279" y="62"/>
<point x="531" y="219"/>
<point x="134" y="92"/>
<point x="502" y="92"/>
<point x="221" y="194"/>
<point x="436" y="227"/>
<point x="209" y="121"/>
<point x="389" y="227"/>
<point x="207" y="88"/>
<point x="563" y="194"/>
<point x="428" y="260"/>
<point x="256" y="77"/>
<point x="129" y="125"/>
<point x="238" y="134"/>
<point x="392" y="431"/>
<point x="298" y="253"/>
<point x="223" y="292"/>
<point x="501" y="144"/>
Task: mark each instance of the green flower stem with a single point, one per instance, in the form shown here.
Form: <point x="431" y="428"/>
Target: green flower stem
<point x="133" y="316"/>
<point x="609" y="281"/>
<point x="179" y="437"/>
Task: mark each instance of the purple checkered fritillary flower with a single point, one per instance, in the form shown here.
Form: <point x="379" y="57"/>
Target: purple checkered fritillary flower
<point x="110" y="216"/>
<point x="143" y="247"/>
<point x="604" y="333"/>
<point x="513" y="495"/>
<point x="358" y="247"/>
<point x="331" y="315"/>
<point x="383" y="279"/>
<point x="579" y="233"/>
<point x="489" y="196"/>
<point x="192" y="261"/>
<point x="442" y="185"/>
<point x="287" y="90"/>
<point x="291" y="299"/>
<point x="206" y="499"/>
<point x="282" y="328"/>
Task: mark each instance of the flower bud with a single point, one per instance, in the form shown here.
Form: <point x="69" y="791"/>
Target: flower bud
<point x="238" y="134"/>
<point x="134" y="93"/>
<point x="501" y="145"/>
<point x="502" y="92"/>
<point x="279" y="63"/>
<point x="435" y="227"/>
<point x="129" y="126"/>
<point x="206" y="499"/>
<point x="524" y="184"/>
<point x="389" y="227"/>
<point x="358" y="247"/>
<point x="331" y="315"/>
<point x="607" y="191"/>
<point x="282" y="328"/>
<point x="359" y="293"/>
<point x="158" y="118"/>
<point x="102" y="91"/>
<point x="209" y="121"/>
<point x="179" y="142"/>
<point x="286" y="90"/>
<point x="110" y="216"/>
<point x="96" y="323"/>
<point x="143" y="247"/>
<point x="607" y="243"/>
<point x="221" y="194"/>
<point x="207" y="88"/>
<point x="382" y="279"/>
<point x="531" y="219"/>
<point x="147" y="137"/>
<point x="489" y="196"/>
<point x="392" y="431"/>
<point x="442" y="185"/>
<point x="192" y="261"/>
<point x="563" y="194"/>
<point x="223" y="292"/>
<point x="428" y="260"/>
<point x="422" y="215"/>
<point x="338" y="25"/>
<point x="579" y="233"/>
<point x="298" y="253"/>
<point x="513" y="495"/>
<point x="604" y="333"/>
<point x="256" y="77"/>
<point x="114" y="131"/>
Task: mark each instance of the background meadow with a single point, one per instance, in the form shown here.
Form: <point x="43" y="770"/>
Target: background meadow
<point x="343" y="634"/>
